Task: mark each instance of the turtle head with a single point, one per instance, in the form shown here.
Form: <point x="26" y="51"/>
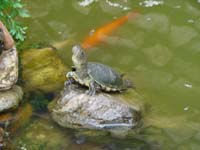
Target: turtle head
<point x="79" y="57"/>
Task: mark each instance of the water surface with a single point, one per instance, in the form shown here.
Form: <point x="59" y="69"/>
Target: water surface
<point x="159" y="51"/>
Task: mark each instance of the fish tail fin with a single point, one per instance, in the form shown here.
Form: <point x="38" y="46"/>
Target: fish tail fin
<point x="133" y="14"/>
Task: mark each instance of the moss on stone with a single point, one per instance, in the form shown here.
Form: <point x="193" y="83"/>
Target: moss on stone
<point x="40" y="135"/>
<point x="42" y="70"/>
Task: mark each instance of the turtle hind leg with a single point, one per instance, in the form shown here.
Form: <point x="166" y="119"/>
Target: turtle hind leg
<point x="93" y="88"/>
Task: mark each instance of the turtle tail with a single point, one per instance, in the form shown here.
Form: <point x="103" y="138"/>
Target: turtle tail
<point x="128" y="84"/>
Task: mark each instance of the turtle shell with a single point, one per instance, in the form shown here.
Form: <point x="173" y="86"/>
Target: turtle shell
<point x="105" y="76"/>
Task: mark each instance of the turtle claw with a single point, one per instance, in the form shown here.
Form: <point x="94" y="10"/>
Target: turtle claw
<point x="69" y="82"/>
<point x="90" y="92"/>
<point x="67" y="86"/>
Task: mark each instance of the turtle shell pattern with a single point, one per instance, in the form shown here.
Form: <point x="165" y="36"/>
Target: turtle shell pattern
<point x="105" y="76"/>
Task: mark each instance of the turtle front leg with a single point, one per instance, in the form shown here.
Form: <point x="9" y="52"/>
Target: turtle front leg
<point x="92" y="88"/>
<point x="69" y="84"/>
<point x="70" y="80"/>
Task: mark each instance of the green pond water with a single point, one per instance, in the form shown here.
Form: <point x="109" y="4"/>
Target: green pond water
<point x="159" y="51"/>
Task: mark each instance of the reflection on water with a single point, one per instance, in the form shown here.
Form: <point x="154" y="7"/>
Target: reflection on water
<point x="159" y="51"/>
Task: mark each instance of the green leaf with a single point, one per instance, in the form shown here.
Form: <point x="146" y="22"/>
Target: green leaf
<point x="23" y="13"/>
<point x="10" y="11"/>
<point x="17" y="5"/>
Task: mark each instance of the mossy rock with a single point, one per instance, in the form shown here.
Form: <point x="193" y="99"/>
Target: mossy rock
<point x="21" y="117"/>
<point x="16" y="119"/>
<point x="43" y="70"/>
<point x="42" y="135"/>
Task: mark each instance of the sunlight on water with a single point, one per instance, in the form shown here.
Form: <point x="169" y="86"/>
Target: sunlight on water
<point x="87" y="2"/>
<point x="151" y="3"/>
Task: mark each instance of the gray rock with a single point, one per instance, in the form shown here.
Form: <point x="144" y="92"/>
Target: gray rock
<point x="11" y="98"/>
<point x="8" y="69"/>
<point x="75" y="109"/>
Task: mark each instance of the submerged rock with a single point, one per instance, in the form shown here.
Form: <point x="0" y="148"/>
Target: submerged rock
<point x="106" y="142"/>
<point x="11" y="122"/>
<point x="17" y="117"/>
<point x="154" y="22"/>
<point x="159" y="55"/>
<point x="21" y="117"/>
<point x="42" y="70"/>
<point x="187" y="34"/>
<point x="42" y="134"/>
<point x="10" y="99"/>
<point x="8" y="69"/>
<point x="170" y="132"/>
<point x="75" y="109"/>
<point x="2" y="134"/>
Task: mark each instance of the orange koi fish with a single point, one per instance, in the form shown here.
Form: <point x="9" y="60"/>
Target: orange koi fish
<point x="100" y="33"/>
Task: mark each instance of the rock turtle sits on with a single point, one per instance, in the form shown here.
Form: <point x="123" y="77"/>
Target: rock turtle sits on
<point x="94" y="75"/>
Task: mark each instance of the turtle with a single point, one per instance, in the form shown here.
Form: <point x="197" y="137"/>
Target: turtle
<point x="95" y="76"/>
